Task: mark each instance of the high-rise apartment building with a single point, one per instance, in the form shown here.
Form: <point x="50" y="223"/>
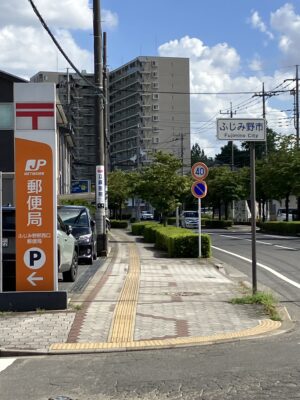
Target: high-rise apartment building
<point x="77" y="98"/>
<point x="149" y="110"/>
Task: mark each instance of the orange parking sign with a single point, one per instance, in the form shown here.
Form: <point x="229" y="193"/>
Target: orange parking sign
<point x="35" y="169"/>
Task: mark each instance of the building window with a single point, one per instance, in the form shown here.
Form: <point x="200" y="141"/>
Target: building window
<point x="155" y="107"/>
<point x="6" y="116"/>
<point x="155" y="118"/>
<point x="155" y="85"/>
<point x="155" y="96"/>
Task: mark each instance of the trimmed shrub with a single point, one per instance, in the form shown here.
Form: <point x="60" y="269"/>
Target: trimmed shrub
<point x="281" y="227"/>
<point x="115" y="223"/>
<point x="182" y="242"/>
<point x="150" y="231"/>
<point x="217" y="224"/>
<point x="137" y="228"/>
<point x="187" y="245"/>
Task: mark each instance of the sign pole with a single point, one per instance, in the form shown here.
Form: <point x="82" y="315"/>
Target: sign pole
<point x="253" y="215"/>
<point x="199" y="226"/>
<point x="1" y="249"/>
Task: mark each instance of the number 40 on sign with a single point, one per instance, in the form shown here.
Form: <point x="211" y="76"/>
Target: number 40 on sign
<point x="199" y="171"/>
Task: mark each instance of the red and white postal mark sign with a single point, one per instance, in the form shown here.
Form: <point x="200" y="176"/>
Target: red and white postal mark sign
<point x="35" y="169"/>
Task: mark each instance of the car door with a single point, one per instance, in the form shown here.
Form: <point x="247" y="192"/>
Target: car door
<point x="66" y="246"/>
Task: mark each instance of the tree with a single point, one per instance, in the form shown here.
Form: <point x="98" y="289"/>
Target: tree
<point x="161" y="184"/>
<point x="224" y="186"/>
<point x="198" y="154"/>
<point x="119" y="189"/>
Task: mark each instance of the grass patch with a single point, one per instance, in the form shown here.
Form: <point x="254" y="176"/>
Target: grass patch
<point x="75" y="307"/>
<point x="267" y="300"/>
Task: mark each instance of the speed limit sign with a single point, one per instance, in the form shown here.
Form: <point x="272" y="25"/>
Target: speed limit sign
<point x="199" y="171"/>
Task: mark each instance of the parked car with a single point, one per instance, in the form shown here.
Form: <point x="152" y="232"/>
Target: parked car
<point x="146" y="215"/>
<point x="292" y="214"/>
<point x="189" y="219"/>
<point x="8" y="249"/>
<point x="67" y="250"/>
<point x="83" y="228"/>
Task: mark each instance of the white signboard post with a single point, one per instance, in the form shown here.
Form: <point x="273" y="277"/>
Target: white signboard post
<point x="247" y="130"/>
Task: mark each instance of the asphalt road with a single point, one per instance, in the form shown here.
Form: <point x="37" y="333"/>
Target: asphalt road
<point x="278" y="262"/>
<point x="85" y="273"/>
<point x="254" y="369"/>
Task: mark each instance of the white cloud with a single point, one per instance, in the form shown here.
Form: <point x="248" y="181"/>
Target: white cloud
<point x="26" y="48"/>
<point x="215" y="70"/>
<point x="256" y="63"/>
<point x="37" y="52"/>
<point x="257" y="23"/>
<point x="110" y="20"/>
<point x="287" y="23"/>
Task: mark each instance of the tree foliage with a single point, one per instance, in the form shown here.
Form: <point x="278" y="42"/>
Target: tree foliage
<point x="161" y="184"/>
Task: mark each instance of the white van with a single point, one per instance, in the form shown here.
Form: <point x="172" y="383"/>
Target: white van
<point x="189" y="219"/>
<point x="281" y="214"/>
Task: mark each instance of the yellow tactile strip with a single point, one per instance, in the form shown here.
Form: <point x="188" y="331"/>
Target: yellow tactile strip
<point x="122" y="326"/>
<point x="264" y="326"/>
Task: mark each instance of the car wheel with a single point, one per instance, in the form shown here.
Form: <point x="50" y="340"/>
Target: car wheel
<point x="90" y="260"/>
<point x="94" y="254"/>
<point x="70" y="276"/>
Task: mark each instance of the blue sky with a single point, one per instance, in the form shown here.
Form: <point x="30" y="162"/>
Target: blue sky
<point x="233" y="46"/>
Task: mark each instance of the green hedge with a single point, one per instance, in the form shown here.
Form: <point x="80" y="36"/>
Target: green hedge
<point x="137" y="228"/>
<point x="150" y="231"/>
<point x="217" y="224"/>
<point x="177" y="242"/>
<point x="120" y="224"/>
<point x="281" y="227"/>
<point x="187" y="245"/>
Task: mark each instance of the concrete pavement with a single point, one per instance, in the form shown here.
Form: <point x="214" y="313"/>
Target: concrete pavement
<point x="139" y="299"/>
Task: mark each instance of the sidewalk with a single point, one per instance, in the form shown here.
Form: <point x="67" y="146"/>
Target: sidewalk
<point x="139" y="300"/>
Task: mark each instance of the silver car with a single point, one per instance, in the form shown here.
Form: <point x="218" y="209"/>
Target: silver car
<point x="189" y="219"/>
<point x="67" y="251"/>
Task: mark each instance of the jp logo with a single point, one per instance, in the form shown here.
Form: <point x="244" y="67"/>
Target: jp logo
<point x="34" y="258"/>
<point x="34" y="165"/>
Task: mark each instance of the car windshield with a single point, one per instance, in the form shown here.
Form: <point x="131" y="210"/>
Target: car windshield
<point x="191" y="214"/>
<point x="76" y="217"/>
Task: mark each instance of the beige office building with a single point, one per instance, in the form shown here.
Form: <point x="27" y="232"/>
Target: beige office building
<point x="149" y="110"/>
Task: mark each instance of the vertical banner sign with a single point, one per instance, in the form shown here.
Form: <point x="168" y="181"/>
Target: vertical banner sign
<point x="35" y="172"/>
<point x="100" y="186"/>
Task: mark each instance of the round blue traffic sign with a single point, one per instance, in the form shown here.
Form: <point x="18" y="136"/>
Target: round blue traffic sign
<point x="199" y="189"/>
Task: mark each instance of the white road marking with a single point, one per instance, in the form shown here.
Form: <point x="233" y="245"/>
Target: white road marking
<point x="260" y="242"/>
<point x="284" y="247"/>
<point x="272" y="271"/>
<point x="6" y="362"/>
<point x="232" y="237"/>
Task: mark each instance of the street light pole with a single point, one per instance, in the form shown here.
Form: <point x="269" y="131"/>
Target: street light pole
<point x="99" y="131"/>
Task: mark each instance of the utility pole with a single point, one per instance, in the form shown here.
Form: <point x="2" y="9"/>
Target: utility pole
<point x="295" y="93"/>
<point x="99" y="131"/>
<point x="230" y="142"/>
<point x="181" y="152"/>
<point x="264" y="95"/>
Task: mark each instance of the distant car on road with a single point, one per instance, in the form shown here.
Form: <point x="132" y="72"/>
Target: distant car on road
<point x="189" y="219"/>
<point x="147" y="215"/>
<point x="83" y="228"/>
